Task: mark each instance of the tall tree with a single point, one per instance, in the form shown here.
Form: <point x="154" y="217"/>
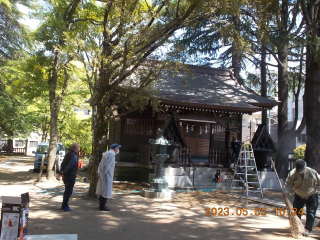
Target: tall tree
<point x="57" y="18"/>
<point x="14" y="38"/>
<point x="270" y="28"/>
<point x="287" y="30"/>
<point x="311" y="13"/>
<point x="132" y="32"/>
<point x="14" y="41"/>
<point x="216" y="29"/>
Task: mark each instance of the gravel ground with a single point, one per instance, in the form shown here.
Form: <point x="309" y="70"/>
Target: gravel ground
<point x="190" y="215"/>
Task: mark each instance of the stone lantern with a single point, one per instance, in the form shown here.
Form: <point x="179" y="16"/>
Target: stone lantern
<point x="263" y="148"/>
<point x="159" y="186"/>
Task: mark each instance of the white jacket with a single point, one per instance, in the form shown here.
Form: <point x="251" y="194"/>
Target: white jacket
<point x="105" y="172"/>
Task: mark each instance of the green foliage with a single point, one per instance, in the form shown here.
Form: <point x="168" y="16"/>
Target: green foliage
<point x="14" y="37"/>
<point x="76" y="129"/>
<point x="299" y="152"/>
<point x="127" y="69"/>
<point x="253" y="82"/>
<point x="14" y="41"/>
<point x="14" y="121"/>
<point x="216" y="33"/>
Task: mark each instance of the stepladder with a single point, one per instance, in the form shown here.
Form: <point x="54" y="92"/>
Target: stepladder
<point x="245" y="174"/>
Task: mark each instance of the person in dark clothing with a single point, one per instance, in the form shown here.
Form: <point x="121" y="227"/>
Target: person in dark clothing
<point x="236" y="145"/>
<point x="69" y="170"/>
<point x="217" y="176"/>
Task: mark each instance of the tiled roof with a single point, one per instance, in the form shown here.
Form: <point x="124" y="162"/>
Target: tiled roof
<point x="209" y="88"/>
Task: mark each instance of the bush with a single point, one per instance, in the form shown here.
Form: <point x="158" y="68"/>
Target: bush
<point x="299" y="152"/>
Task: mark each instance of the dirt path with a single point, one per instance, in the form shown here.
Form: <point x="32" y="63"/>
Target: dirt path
<point x="135" y="217"/>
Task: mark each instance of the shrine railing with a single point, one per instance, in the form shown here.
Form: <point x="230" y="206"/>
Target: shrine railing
<point x="184" y="155"/>
<point x="146" y="152"/>
<point x="219" y="157"/>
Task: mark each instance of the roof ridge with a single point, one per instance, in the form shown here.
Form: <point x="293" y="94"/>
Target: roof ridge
<point x="211" y="70"/>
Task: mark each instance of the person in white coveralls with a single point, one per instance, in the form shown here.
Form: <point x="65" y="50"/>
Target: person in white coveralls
<point x="105" y="172"/>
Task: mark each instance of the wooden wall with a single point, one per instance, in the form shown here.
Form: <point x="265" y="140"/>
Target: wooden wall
<point x="129" y="142"/>
<point x="200" y="142"/>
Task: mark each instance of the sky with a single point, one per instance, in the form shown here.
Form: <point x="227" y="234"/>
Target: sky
<point x="30" y="22"/>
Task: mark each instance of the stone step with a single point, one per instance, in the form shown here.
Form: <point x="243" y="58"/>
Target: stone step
<point x="179" y="177"/>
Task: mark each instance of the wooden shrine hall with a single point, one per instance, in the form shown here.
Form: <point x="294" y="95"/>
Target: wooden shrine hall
<point x="200" y="117"/>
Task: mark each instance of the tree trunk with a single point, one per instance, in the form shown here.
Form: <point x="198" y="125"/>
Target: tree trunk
<point x="283" y="145"/>
<point x="100" y="142"/>
<point x="311" y="12"/>
<point x="54" y="113"/>
<point x="26" y="147"/>
<point x="283" y="137"/>
<point x="263" y="66"/>
<point x="44" y="131"/>
<point x="236" y="65"/>
<point x="52" y="142"/>
<point x="10" y="146"/>
<point x="312" y="86"/>
<point x="312" y="93"/>
<point x="236" y="54"/>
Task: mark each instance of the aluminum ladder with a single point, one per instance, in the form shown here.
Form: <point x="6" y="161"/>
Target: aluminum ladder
<point x="245" y="170"/>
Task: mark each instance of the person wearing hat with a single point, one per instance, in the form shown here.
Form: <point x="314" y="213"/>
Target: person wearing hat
<point x="105" y="172"/>
<point x="303" y="180"/>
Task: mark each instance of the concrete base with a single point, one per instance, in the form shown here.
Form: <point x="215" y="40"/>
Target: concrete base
<point x="173" y="171"/>
<point x="160" y="195"/>
<point x="174" y="181"/>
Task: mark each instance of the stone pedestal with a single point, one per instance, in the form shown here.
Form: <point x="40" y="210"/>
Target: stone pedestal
<point x="175" y="177"/>
<point x="159" y="186"/>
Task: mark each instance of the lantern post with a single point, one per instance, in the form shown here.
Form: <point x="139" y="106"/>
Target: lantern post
<point x="159" y="186"/>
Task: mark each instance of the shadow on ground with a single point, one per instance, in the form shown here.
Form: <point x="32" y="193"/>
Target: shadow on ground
<point x="190" y="215"/>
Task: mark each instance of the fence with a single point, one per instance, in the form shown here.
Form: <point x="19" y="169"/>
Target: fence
<point x="16" y="151"/>
<point x="146" y="153"/>
<point x="219" y="157"/>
